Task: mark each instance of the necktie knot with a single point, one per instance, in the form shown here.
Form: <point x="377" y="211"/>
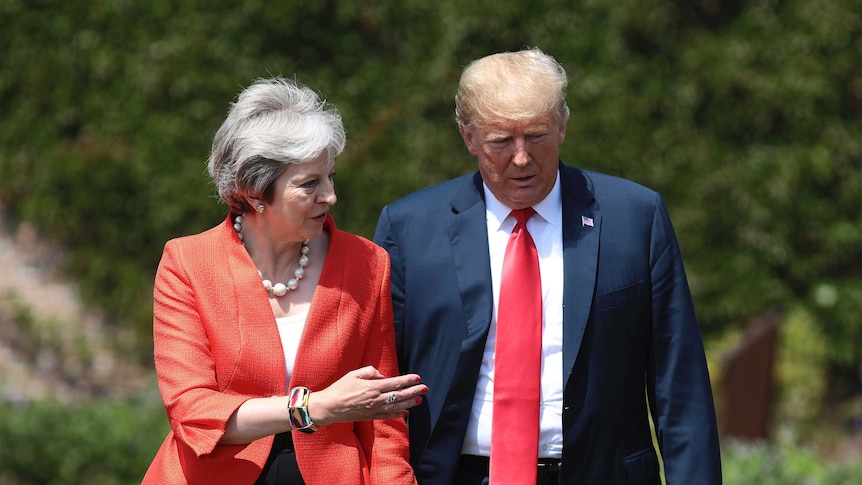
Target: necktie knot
<point x="523" y="215"/>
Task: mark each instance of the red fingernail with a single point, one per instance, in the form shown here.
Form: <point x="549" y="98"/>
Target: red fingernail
<point x="417" y="379"/>
<point x="418" y="400"/>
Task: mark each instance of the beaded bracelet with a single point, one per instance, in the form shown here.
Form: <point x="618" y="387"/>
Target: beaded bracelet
<point x="297" y="410"/>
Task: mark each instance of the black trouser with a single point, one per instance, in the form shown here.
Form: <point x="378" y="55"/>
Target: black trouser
<point x="473" y="470"/>
<point x="281" y="467"/>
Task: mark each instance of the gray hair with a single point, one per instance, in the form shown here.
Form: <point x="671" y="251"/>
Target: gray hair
<point x="273" y="123"/>
<point x="512" y="86"/>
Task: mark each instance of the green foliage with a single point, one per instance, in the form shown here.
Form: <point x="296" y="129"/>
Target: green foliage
<point x="745" y="464"/>
<point x="745" y="115"/>
<point x="48" y="443"/>
<point x="801" y="378"/>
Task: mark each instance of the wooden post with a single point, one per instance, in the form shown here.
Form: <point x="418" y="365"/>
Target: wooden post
<point x="747" y="382"/>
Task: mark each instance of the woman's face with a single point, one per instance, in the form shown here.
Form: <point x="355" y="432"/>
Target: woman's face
<point x="301" y="199"/>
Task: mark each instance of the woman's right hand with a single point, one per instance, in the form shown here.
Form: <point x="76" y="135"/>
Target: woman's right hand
<point x="365" y="394"/>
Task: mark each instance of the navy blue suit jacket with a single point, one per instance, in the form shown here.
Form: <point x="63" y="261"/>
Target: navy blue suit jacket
<point x="630" y="334"/>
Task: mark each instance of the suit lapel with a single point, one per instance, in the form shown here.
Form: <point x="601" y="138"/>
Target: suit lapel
<point x="468" y="236"/>
<point x="254" y="318"/>
<point x="580" y="258"/>
<point x="324" y="329"/>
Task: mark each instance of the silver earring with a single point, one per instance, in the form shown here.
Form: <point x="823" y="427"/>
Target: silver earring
<point x="260" y="208"/>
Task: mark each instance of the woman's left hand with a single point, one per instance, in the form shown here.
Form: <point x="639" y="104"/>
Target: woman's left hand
<point x="365" y="394"/>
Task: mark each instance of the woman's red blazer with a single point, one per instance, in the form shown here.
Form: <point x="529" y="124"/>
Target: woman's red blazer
<point x="216" y="345"/>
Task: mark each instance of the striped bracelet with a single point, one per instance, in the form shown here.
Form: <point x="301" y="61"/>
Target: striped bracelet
<point x="297" y="410"/>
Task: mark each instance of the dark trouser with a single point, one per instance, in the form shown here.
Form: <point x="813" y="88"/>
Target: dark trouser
<point x="281" y="467"/>
<point x="473" y="470"/>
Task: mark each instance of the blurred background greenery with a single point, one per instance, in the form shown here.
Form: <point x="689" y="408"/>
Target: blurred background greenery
<point x="745" y="115"/>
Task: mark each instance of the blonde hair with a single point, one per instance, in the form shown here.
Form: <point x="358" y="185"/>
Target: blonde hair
<point x="511" y="86"/>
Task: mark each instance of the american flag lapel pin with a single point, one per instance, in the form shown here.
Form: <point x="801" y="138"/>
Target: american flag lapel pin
<point x="586" y="221"/>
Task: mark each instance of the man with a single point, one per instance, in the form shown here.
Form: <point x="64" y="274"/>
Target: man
<point x="618" y="333"/>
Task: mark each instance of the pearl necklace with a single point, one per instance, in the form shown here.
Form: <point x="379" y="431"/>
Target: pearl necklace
<point x="279" y="289"/>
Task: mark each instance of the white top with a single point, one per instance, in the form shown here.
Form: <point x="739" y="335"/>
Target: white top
<point x="290" y="329"/>
<point x="546" y="228"/>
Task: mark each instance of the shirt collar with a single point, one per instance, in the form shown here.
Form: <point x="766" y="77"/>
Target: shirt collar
<point x="550" y="208"/>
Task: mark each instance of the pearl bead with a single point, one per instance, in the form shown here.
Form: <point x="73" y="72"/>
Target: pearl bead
<point x="280" y="289"/>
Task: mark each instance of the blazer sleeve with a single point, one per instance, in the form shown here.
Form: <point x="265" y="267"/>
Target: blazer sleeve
<point x="385" y="441"/>
<point x="677" y="378"/>
<point x="197" y="408"/>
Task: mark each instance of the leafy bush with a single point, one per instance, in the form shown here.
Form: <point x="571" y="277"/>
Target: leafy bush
<point x="49" y="443"/>
<point x="801" y="379"/>
<point x="764" y="464"/>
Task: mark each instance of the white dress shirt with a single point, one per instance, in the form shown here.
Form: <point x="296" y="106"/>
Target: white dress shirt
<point x="547" y="231"/>
<point x="290" y="329"/>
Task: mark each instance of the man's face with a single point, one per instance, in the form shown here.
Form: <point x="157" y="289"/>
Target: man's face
<point x="517" y="159"/>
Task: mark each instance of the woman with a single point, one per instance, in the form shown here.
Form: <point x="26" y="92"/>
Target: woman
<point x="244" y="360"/>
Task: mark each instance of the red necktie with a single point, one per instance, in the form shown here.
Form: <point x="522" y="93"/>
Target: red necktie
<point x="517" y="362"/>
